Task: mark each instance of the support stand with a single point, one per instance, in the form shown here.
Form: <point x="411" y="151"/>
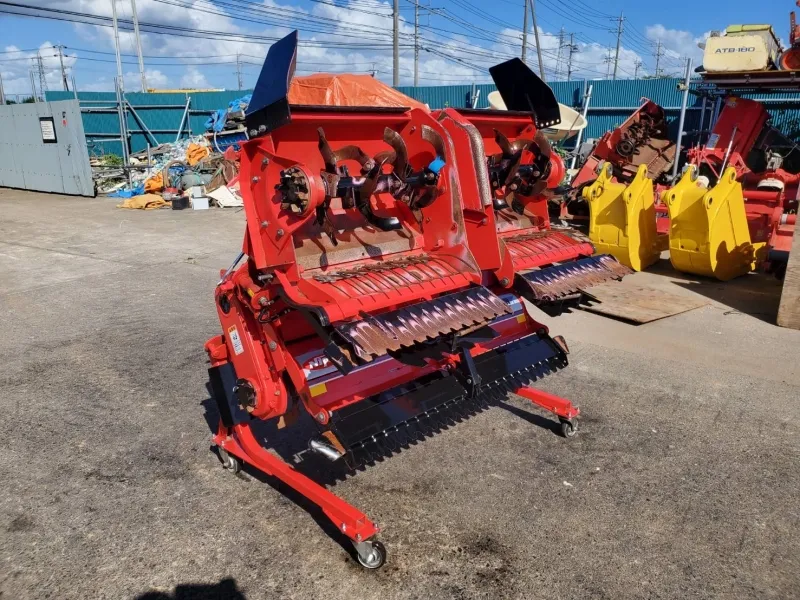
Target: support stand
<point x="239" y="444"/>
<point x="565" y="411"/>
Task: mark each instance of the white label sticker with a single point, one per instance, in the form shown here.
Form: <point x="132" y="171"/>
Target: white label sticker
<point x="238" y="348"/>
<point x="48" y="127"/>
<point x="712" y="141"/>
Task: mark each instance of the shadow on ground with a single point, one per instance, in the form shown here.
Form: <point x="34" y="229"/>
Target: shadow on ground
<point x="754" y="294"/>
<point x="224" y="590"/>
<point x="292" y="450"/>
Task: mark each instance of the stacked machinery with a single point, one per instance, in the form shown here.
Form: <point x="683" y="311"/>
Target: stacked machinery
<point x="732" y="211"/>
<point x="735" y="208"/>
<point x="387" y="252"/>
<point x="642" y="139"/>
<point x="615" y="185"/>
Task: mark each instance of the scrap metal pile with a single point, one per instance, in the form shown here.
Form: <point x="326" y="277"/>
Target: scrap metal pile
<point x="172" y="174"/>
<point x="642" y="139"/>
<point x="381" y="281"/>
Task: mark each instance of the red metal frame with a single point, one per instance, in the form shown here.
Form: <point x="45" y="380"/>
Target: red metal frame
<point x="506" y="243"/>
<point x="447" y="245"/>
<point x="658" y="153"/>
<point x="555" y="404"/>
<point x="240" y="442"/>
<point x="736" y="133"/>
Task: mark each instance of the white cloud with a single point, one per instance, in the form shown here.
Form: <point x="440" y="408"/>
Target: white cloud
<point x="153" y="77"/>
<point x="194" y="79"/>
<point x="678" y="45"/>
<point x="468" y="60"/>
<point x="17" y="67"/>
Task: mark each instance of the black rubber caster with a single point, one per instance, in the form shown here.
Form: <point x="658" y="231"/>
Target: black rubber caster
<point x="569" y="427"/>
<point x="371" y="555"/>
<point x="229" y="461"/>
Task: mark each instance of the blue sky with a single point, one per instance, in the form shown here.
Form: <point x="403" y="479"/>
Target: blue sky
<point x="459" y="38"/>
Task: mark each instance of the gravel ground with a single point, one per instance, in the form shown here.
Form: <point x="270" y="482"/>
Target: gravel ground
<point x="683" y="482"/>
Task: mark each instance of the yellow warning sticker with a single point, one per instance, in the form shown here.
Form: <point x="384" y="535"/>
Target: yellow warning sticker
<point x="317" y="390"/>
<point x="521" y="318"/>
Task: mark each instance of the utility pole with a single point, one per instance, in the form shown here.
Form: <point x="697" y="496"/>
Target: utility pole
<point x="416" y="43"/>
<point x="608" y="60"/>
<point x="525" y="31"/>
<point x="682" y="118"/>
<point x="619" y="39"/>
<point x="396" y="45"/>
<point x="572" y="48"/>
<point x="636" y="66"/>
<point x="116" y="40"/>
<point x="659" y="54"/>
<point x="536" y="36"/>
<point x="558" y="55"/>
<point x="63" y="72"/>
<point x="42" y="76"/>
<point x="239" y="70"/>
<point x="138" y="44"/>
<point x="2" y="93"/>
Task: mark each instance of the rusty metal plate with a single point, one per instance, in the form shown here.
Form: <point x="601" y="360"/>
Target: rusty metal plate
<point x="553" y="283"/>
<point x="376" y="335"/>
<point x="375" y="267"/>
<point x="639" y="304"/>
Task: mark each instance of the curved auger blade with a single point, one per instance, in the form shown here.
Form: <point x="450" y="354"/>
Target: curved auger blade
<point x="365" y="206"/>
<point x="502" y="141"/>
<point x="541" y="147"/>
<point x="398" y="144"/>
<point x="328" y="155"/>
<point x="432" y="136"/>
<point x="333" y="158"/>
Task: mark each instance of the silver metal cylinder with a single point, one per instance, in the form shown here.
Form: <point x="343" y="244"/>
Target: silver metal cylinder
<point x="324" y="449"/>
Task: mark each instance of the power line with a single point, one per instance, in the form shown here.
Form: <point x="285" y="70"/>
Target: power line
<point x="163" y="29"/>
<point x="573" y="17"/>
<point x="439" y="42"/>
<point x="586" y="9"/>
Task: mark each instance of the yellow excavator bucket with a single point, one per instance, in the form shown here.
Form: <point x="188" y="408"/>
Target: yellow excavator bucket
<point x="708" y="232"/>
<point x="622" y="219"/>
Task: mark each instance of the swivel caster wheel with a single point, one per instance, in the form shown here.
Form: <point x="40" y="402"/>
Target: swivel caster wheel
<point x="371" y="555"/>
<point x="569" y="427"/>
<point x="229" y="461"/>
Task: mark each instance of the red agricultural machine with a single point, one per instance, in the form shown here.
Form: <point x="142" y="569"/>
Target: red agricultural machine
<point x="789" y="60"/>
<point x="768" y="167"/>
<point x="386" y="255"/>
<point x="506" y="214"/>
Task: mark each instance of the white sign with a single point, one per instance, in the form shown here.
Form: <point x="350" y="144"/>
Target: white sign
<point x="48" y="127"/>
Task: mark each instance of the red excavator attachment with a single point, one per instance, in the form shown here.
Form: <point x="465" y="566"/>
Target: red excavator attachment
<point x="360" y="298"/>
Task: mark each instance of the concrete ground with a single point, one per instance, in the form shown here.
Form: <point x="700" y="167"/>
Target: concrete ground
<point x="683" y="482"/>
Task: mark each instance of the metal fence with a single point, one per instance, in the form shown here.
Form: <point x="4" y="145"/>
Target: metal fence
<point x="44" y="148"/>
<point x="612" y="102"/>
<point x="161" y="114"/>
